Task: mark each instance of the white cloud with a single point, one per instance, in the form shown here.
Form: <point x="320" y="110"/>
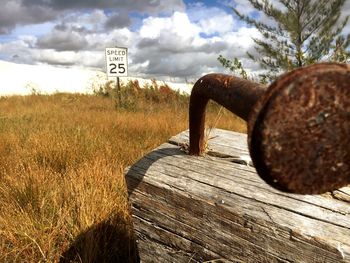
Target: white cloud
<point x="243" y="6"/>
<point x="13" y="13"/>
<point x="221" y="23"/>
<point x="95" y="18"/>
<point x="177" y="25"/>
<point x="63" y="40"/>
<point x="184" y="43"/>
<point x="211" y="20"/>
<point x="117" y="37"/>
<point x="172" y="46"/>
<point x="24" y="12"/>
<point x="163" y="47"/>
<point x="18" y="50"/>
<point x="51" y="56"/>
<point x="21" y="79"/>
<point x="241" y="39"/>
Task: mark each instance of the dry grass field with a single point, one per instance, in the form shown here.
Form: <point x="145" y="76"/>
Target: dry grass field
<point x="62" y="191"/>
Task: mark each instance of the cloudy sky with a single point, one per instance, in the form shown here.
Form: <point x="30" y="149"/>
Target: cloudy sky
<point x="172" y="40"/>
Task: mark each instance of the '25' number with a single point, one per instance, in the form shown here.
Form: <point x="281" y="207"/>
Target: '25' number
<point x="115" y="70"/>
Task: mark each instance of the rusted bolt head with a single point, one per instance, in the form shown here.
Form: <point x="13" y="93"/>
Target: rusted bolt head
<point x="299" y="130"/>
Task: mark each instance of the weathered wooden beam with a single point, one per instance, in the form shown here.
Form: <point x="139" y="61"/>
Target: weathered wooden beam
<point x="194" y="209"/>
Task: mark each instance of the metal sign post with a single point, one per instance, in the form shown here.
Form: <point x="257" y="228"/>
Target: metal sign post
<point x="117" y="65"/>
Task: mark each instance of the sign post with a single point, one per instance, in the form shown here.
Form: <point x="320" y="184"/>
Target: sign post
<point x="117" y="65"/>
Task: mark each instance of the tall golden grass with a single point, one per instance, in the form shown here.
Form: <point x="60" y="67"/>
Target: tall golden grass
<point x="62" y="157"/>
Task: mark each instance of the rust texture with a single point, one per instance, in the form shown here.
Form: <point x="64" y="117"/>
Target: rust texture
<point x="298" y="127"/>
<point x="235" y="94"/>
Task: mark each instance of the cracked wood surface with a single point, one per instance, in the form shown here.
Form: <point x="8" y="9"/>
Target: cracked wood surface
<point x="194" y="209"/>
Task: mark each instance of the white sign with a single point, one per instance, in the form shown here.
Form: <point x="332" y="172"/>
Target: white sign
<point x="117" y="61"/>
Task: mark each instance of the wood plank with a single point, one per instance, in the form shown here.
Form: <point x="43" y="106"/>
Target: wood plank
<point x="237" y="241"/>
<point x="210" y="173"/>
<point x="233" y="144"/>
<point x="202" y="208"/>
<point x="221" y="142"/>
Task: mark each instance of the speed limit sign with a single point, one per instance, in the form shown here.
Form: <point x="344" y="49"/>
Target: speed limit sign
<point x="117" y="61"/>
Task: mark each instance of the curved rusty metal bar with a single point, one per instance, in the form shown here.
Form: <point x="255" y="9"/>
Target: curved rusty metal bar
<point x="236" y="94"/>
<point x="298" y="127"/>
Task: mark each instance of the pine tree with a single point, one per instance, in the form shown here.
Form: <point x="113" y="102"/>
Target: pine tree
<point x="300" y="33"/>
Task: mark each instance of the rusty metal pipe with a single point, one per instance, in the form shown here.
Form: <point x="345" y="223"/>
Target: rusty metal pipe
<point x="236" y="94"/>
<point x="298" y="127"/>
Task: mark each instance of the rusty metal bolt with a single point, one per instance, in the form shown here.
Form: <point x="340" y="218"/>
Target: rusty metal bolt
<point x="298" y="127"/>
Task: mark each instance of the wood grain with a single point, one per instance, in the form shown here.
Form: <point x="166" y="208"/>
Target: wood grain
<point x="195" y="209"/>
